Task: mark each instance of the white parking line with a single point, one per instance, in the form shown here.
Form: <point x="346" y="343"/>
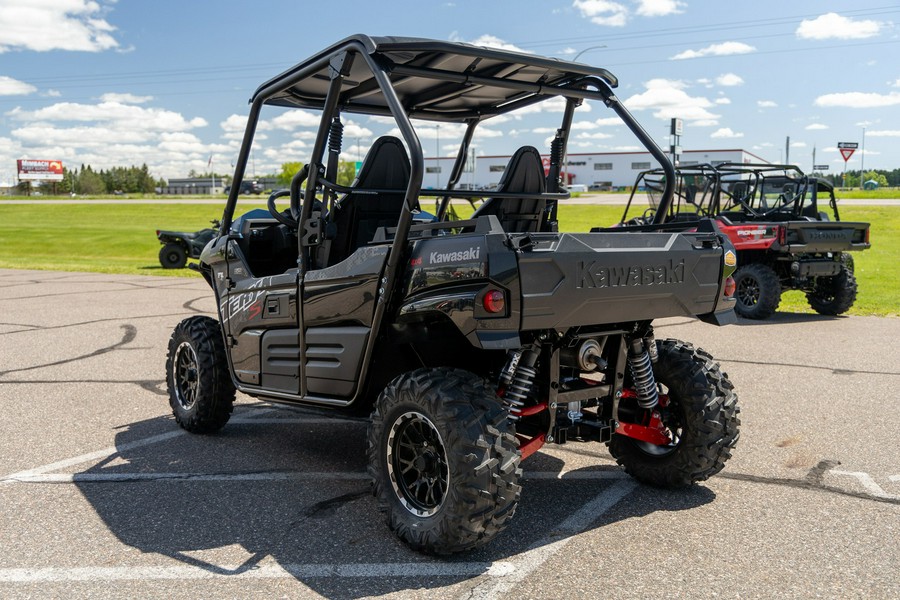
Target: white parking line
<point x="113" y="450"/>
<point x="869" y="483"/>
<point x="540" y="552"/>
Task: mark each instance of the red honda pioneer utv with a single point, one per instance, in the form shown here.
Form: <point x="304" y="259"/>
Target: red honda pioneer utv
<point x="784" y="225"/>
<point x="472" y="343"/>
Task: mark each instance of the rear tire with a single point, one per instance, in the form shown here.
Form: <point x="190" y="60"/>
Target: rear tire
<point x="834" y="295"/>
<point x="702" y="416"/>
<point x="444" y="460"/>
<point x="757" y="291"/>
<point x="201" y="392"/>
<point x="172" y="256"/>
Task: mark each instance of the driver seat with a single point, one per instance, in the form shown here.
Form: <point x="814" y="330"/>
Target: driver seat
<point x="524" y="174"/>
<point x="358" y="215"/>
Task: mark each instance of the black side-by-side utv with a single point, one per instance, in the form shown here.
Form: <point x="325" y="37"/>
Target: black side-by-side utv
<point x="469" y="343"/>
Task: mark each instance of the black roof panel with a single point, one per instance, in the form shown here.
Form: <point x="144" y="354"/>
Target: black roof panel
<point x="433" y="79"/>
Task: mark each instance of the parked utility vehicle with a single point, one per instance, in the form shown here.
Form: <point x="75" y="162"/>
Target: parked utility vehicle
<point x="470" y="343"/>
<point x="785" y="227"/>
<point x="178" y="246"/>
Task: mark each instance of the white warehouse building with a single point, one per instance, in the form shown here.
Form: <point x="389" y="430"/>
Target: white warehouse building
<point x="593" y="170"/>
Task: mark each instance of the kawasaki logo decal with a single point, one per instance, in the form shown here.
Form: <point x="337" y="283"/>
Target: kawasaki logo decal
<point x="592" y="275"/>
<point x="437" y="258"/>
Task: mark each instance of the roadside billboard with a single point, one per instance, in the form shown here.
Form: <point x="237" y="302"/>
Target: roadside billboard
<point x="39" y="170"/>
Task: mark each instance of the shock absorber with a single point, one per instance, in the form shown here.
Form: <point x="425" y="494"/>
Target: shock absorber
<point x="639" y="360"/>
<point x="517" y="380"/>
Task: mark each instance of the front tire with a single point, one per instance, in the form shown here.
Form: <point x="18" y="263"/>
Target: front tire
<point x="201" y="392"/>
<point x="172" y="256"/>
<point x="443" y="460"/>
<point x="757" y="291"/>
<point x="701" y="417"/>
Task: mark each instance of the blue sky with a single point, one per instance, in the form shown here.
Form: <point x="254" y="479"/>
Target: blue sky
<point x="166" y="83"/>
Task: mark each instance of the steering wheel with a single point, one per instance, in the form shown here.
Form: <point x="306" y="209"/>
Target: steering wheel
<point x="278" y="215"/>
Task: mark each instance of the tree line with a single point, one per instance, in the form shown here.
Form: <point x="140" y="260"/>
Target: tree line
<point x="882" y="177"/>
<point x="127" y="180"/>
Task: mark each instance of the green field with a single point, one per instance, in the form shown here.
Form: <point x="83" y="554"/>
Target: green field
<point x="121" y="238"/>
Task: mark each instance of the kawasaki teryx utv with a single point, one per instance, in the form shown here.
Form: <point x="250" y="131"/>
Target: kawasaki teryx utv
<point x="470" y="343"/>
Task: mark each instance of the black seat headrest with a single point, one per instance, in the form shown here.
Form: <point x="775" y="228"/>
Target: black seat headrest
<point x="386" y="166"/>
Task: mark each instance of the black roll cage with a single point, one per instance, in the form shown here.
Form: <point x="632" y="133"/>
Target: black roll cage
<point x="379" y="55"/>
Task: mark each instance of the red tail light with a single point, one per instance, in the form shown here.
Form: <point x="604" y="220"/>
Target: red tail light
<point x="782" y="235"/>
<point x="157" y="233"/>
<point x="729" y="287"/>
<point x="494" y="302"/>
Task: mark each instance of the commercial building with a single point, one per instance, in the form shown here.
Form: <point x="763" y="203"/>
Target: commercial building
<point x="603" y="170"/>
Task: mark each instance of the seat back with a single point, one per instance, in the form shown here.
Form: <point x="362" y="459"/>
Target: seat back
<point x="358" y="215"/>
<point x="524" y="174"/>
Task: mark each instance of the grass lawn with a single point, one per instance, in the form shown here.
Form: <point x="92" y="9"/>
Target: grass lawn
<point x="121" y="238"/>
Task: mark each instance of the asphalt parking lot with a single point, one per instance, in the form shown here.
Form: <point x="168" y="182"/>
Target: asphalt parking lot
<point x="103" y="496"/>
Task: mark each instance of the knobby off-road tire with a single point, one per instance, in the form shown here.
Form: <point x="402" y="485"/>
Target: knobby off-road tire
<point x="172" y="256"/>
<point x="201" y="392"/>
<point x="757" y="291"/>
<point x="702" y="413"/>
<point x="444" y="460"/>
<point x="834" y="295"/>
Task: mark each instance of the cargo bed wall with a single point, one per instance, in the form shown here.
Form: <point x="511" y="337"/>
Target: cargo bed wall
<point x="819" y="236"/>
<point x="597" y="278"/>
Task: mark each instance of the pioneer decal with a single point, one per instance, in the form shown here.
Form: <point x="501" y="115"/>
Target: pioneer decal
<point x="593" y="275"/>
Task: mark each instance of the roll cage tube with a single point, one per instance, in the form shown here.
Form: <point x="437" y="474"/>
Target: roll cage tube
<point x="458" y="166"/>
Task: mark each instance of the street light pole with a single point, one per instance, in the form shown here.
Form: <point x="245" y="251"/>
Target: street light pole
<point x="862" y="161"/>
<point x="586" y="49"/>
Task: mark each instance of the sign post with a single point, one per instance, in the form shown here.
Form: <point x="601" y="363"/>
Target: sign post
<point x="847" y="149"/>
<point x="676" y="128"/>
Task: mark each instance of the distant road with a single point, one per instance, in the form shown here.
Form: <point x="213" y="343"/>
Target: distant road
<point x="602" y="199"/>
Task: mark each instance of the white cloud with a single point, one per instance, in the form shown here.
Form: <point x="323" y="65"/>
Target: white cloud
<point x="766" y="103"/>
<point x="125" y="98"/>
<point x="568" y="51"/>
<point x="884" y="133"/>
<point x="125" y="115"/>
<point x="798" y="144"/>
<point x="729" y="80"/>
<point x="669" y="99"/>
<point x="858" y="100"/>
<point x="603" y="12"/>
<point x="705" y="123"/>
<point x="608" y="122"/>
<point x="815" y="126"/>
<point x="491" y="41"/>
<point x="14" y="87"/>
<point x="725" y="132"/>
<point x="722" y="101"/>
<point x="44" y="25"/>
<point x="723" y="49"/>
<point x="896" y="83"/>
<point x="659" y="8"/>
<point x="834" y="26"/>
<point x="593" y="136"/>
<point x="293" y="119"/>
<point x="109" y="133"/>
